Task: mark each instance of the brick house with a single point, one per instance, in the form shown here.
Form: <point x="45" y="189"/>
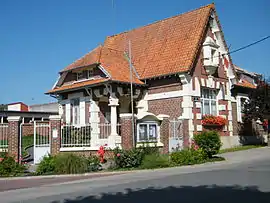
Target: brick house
<point x="181" y="71"/>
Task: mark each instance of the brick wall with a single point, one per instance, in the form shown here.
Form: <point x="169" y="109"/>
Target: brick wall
<point x="165" y="85"/>
<point x="164" y="135"/>
<point x="171" y="107"/>
<point x="234" y="121"/>
<point x="13" y="139"/>
<point x="27" y="129"/>
<point x="126" y="132"/>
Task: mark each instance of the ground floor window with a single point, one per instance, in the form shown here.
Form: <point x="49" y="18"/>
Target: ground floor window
<point x="147" y="132"/>
<point x="209" y="101"/>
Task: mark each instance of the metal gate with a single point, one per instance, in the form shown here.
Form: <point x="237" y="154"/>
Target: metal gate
<point x="176" y="139"/>
<point x="42" y="140"/>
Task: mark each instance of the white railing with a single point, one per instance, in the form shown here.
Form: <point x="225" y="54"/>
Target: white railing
<point x="3" y="137"/>
<point x="75" y="136"/>
<point x="105" y="130"/>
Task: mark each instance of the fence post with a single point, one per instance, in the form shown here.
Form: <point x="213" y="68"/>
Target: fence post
<point x="13" y="138"/>
<point x="126" y="131"/>
<point x="55" y="133"/>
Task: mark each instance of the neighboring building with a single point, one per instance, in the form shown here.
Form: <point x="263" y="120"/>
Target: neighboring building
<point x="48" y="107"/>
<point x="181" y="68"/>
<point x="17" y="106"/>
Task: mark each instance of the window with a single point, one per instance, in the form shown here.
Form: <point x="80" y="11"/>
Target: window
<point x="209" y="102"/>
<point x="243" y="101"/>
<point x="80" y="76"/>
<point x="108" y="117"/>
<point x="213" y="55"/>
<point x="147" y="132"/>
<point x="90" y="73"/>
<point x="75" y="109"/>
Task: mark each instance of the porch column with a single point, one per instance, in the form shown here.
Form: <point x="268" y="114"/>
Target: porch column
<point x="13" y="138"/>
<point x="2" y="119"/>
<point x="113" y="103"/>
<point x="94" y="122"/>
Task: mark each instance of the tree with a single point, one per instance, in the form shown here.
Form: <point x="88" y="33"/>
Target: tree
<point x="258" y="106"/>
<point x="3" y="107"/>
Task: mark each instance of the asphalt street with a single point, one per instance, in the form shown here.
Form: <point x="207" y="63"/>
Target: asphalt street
<point x="245" y="177"/>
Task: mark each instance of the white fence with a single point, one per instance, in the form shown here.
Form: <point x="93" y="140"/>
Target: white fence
<point x="75" y="136"/>
<point x="3" y="137"/>
<point x="105" y="130"/>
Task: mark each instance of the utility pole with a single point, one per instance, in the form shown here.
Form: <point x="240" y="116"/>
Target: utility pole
<point x="131" y="91"/>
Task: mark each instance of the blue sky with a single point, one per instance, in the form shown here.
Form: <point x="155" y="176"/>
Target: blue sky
<point x="38" y="38"/>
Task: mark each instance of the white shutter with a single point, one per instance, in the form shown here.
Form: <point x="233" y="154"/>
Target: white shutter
<point x="82" y="111"/>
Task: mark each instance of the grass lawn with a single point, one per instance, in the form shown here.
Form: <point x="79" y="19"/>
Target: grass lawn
<point x="239" y="148"/>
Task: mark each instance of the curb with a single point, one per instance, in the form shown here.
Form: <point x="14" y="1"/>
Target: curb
<point x="65" y="176"/>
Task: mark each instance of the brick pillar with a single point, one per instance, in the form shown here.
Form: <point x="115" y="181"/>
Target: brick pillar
<point x="13" y="138"/>
<point x="55" y="126"/>
<point x="126" y="131"/>
<point x="165" y="134"/>
<point x="186" y="133"/>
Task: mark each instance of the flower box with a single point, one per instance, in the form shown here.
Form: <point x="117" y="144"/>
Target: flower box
<point x="213" y="121"/>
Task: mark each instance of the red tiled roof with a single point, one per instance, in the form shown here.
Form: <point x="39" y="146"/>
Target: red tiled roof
<point x="245" y="83"/>
<point x="165" y="47"/>
<point x="78" y="85"/>
<point x="88" y="59"/>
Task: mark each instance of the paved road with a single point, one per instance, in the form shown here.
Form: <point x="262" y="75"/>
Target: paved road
<point x="245" y="177"/>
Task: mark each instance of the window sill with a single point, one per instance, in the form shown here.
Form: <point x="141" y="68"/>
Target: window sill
<point x="150" y="144"/>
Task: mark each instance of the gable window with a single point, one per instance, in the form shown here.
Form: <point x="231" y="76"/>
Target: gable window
<point x="147" y="132"/>
<point x="209" y="101"/>
<point x="75" y="109"/>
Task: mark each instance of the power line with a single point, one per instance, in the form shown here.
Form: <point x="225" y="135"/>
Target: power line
<point x="249" y="45"/>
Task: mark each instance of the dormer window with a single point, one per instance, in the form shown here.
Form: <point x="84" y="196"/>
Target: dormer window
<point x="80" y="76"/>
<point x="90" y="73"/>
<point x="86" y="74"/>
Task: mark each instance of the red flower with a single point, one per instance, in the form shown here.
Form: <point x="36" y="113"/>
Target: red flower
<point x="214" y="120"/>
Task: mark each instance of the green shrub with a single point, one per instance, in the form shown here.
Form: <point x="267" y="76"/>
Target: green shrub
<point x="46" y="166"/>
<point x="155" y="160"/>
<point x="209" y="142"/>
<point x="128" y="158"/>
<point x="68" y="163"/>
<point x="188" y="157"/>
<point x="93" y="163"/>
<point x="146" y="149"/>
<point x="9" y="167"/>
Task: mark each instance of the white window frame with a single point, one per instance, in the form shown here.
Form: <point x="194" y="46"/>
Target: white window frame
<point x="147" y="129"/>
<point x="74" y="107"/>
<point x="213" y="92"/>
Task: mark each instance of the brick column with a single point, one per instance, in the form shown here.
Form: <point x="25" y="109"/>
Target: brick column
<point x="126" y="131"/>
<point x="13" y="138"/>
<point x="165" y="134"/>
<point x="55" y="127"/>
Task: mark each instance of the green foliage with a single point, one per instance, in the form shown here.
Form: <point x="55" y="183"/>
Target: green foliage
<point x="46" y="166"/>
<point x="9" y="167"/>
<point x="209" y="142"/>
<point x="155" y="160"/>
<point x="26" y="142"/>
<point x="128" y="158"/>
<point x="68" y="163"/>
<point x="188" y="157"/>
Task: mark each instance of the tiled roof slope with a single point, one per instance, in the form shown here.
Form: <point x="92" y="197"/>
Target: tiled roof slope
<point x="77" y="85"/>
<point x="165" y="47"/>
<point x="245" y="83"/>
